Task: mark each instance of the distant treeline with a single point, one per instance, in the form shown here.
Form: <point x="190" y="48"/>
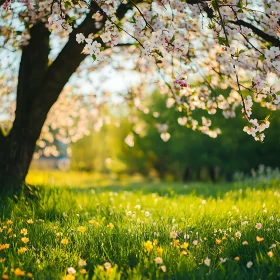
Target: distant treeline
<point x="188" y="155"/>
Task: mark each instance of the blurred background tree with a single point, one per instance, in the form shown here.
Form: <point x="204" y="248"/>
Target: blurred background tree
<point x="187" y="155"/>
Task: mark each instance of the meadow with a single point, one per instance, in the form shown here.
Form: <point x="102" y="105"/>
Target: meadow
<point x="74" y="229"/>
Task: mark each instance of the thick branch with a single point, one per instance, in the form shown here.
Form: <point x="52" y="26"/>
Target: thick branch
<point x="260" y="33"/>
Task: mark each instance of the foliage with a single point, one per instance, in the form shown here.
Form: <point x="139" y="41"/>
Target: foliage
<point x="186" y="155"/>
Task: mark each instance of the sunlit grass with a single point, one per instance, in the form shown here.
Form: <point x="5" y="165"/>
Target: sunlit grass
<point x="192" y="231"/>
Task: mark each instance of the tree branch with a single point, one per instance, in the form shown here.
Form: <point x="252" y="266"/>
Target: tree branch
<point x="260" y="33"/>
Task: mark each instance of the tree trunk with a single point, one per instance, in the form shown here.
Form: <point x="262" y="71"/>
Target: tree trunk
<point x="39" y="86"/>
<point x="16" y="155"/>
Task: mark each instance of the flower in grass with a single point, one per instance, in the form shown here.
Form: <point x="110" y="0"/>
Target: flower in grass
<point x="159" y="250"/>
<point x="258" y="226"/>
<point x="245" y="242"/>
<point x="4" y="246"/>
<point x="25" y="239"/>
<point x="238" y="234"/>
<point x="82" y="262"/>
<point x="223" y="260"/>
<point x="237" y="259"/>
<point x="64" y="241"/>
<point x="83" y="271"/>
<point x="195" y="242"/>
<point x="24" y="231"/>
<point x="158" y="260"/>
<point x="2" y="260"/>
<point x="173" y="234"/>
<point x="81" y="229"/>
<point x="59" y="234"/>
<point x="9" y="222"/>
<point x="110" y="225"/>
<point x="69" y="277"/>
<point x="207" y="261"/>
<point x="183" y="253"/>
<point x="176" y="243"/>
<point x="71" y="270"/>
<point x="148" y="246"/>
<point x="5" y="276"/>
<point x="218" y="241"/>
<point x="185" y="245"/>
<point x="259" y="239"/>
<point x="30" y="221"/>
<point x="29" y="275"/>
<point x="272" y="246"/>
<point x="270" y="254"/>
<point x="94" y="222"/>
<point x="249" y="264"/>
<point x="19" y="272"/>
<point x="107" y="265"/>
<point x="22" y="250"/>
<point x="163" y="268"/>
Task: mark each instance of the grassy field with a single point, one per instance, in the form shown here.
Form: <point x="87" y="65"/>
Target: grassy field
<point x="105" y="230"/>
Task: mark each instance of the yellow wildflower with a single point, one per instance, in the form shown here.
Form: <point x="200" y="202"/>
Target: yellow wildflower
<point x="5" y="276"/>
<point x="159" y="250"/>
<point x="148" y="246"/>
<point x="4" y="246"/>
<point x="81" y="229"/>
<point x="24" y="231"/>
<point x="22" y="250"/>
<point x="183" y="253"/>
<point x="69" y="277"/>
<point x="93" y="222"/>
<point x="259" y="239"/>
<point x="59" y="234"/>
<point x="25" y="239"/>
<point x="83" y="271"/>
<point x="19" y="272"/>
<point x="110" y="225"/>
<point x="155" y="242"/>
<point x="28" y="274"/>
<point x="163" y="268"/>
<point x="185" y="245"/>
<point x="82" y="262"/>
<point x="218" y="241"/>
<point x="9" y="222"/>
<point x="64" y="241"/>
<point x="30" y="221"/>
<point x="237" y="259"/>
<point x="10" y="230"/>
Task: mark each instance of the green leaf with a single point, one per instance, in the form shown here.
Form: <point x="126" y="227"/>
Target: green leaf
<point x="93" y="57"/>
<point x="67" y="4"/>
<point x="172" y="39"/>
<point x="262" y="57"/>
<point x="214" y="5"/>
<point x="222" y="41"/>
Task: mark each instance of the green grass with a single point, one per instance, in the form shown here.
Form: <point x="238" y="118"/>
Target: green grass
<point x="119" y="219"/>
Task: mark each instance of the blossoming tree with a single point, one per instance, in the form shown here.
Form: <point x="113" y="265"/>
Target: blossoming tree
<point x="223" y="43"/>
